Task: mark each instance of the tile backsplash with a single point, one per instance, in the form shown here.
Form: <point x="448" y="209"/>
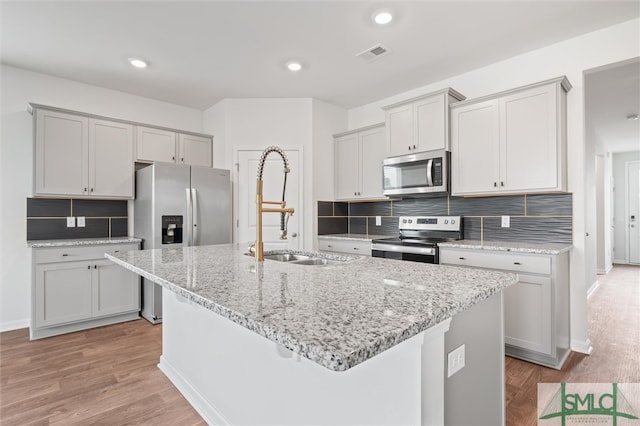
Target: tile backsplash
<point x="47" y="218"/>
<point x="540" y="218"/>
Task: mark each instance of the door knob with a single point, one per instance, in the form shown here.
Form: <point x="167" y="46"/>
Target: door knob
<point x="294" y="234"/>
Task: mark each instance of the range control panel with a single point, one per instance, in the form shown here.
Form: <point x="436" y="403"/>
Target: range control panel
<point x="432" y="223"/>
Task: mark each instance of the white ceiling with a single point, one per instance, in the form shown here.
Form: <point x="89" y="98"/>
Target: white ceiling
<point x="204" y="51"/>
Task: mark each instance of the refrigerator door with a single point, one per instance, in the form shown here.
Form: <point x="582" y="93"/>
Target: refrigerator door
<point x="211" y="204"/>
<point x="170" y="185"/>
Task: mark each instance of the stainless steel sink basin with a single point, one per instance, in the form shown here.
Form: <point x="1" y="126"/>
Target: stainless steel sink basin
<point x="316" y="261"/>
<point x="286" y="257"/>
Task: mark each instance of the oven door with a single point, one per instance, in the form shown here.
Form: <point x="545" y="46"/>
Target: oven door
<point x="424" y="254"/>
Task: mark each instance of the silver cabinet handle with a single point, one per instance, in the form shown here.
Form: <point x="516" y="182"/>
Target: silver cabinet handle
<point x="430" y="173"/>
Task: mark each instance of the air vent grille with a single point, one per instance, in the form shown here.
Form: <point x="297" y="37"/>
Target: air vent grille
<point x="373" y="53"/>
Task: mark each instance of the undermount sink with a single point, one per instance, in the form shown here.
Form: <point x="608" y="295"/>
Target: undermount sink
<point x="286" y="257"/>
<point x="305" y="259"/>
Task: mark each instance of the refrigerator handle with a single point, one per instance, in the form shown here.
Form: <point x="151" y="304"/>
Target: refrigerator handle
<point x="194" y="216"/>
<point x="188" y="219"/>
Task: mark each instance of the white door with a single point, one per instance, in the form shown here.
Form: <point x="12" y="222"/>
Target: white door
<point x="273" y="178"/>
<point x="633" y="199"/>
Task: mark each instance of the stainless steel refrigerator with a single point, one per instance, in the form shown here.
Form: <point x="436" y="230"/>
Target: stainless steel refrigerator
<point x="179" y="206"/>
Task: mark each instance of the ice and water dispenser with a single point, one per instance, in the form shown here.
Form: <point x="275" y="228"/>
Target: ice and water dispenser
<point x="171" y="229"/>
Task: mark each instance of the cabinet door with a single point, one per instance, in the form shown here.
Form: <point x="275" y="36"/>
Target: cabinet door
<point x="430" y="127"/>
<point x="61" y="143"/>
<point x="195" y="150"/>
<point x="347" y="164"/>
<point x="474" y="148"/>
<point x="63" y="293"/>
<point x="529" y="143"/>
<point x="111" y="167"/>
<point x="399" y="130"/>
<point x="372" y="152"/>
<point x="528" y="314"/>
<point x="155" y="145"/>
<point x="116" y="290"/>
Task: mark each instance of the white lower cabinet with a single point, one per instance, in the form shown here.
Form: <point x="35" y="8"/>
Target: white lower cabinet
<point x="536" y="309"/>
<point x="75" y="288"/>
<point x="362" y="247"/>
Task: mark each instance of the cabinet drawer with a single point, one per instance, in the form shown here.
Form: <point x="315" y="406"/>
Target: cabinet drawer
<point x="516" y="262"/>
<point x="62" y="254"/>
<point x="345" y="246"/>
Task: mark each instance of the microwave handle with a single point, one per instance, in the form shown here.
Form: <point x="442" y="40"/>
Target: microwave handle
<point x="430" y="172"/>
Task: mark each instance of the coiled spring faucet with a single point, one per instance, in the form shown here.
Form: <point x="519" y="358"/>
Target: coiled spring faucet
<point x="258" y="246"/>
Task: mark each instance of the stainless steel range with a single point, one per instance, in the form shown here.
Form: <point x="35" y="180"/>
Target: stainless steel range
<point x="419" y="238"/>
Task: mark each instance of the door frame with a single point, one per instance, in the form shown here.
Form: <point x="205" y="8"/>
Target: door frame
<point x="627" y="212"/>
<point x="299" y="210"/>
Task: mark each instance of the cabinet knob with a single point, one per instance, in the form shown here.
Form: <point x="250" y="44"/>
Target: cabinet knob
<point x="414" y="147"/>
<point x="329" y="245"/>
<point x="173" y="158"/>
<point x="95" y="266"/>
<point x="84" y="190"/>
<point x="88" y="266"/>
<point x="91" y="189"/>
<point x="409" y="147"/>
<point x="182" y="159"/>
<point x="495" y="184"/>
<point x="64" y="254"/>
<point x="517" y="263"/>
<point x="501" y="183"/>
<point x="461" y="258"/>
<point x="356" y="248"/>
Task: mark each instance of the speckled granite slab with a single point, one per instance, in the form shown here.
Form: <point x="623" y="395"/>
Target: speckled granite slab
<point x="337" y="315"/>
<point x="82" y="242"/>
<point x="509" y="246"/>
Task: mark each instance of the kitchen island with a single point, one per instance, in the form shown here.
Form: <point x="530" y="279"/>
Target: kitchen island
<point x="359" y="340"/>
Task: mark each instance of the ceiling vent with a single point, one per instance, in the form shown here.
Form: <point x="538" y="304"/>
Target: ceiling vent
<point x="373" y="53"/>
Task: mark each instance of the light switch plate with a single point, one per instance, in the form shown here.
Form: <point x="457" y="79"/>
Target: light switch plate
<point x="71" y="222"/>
<point x="378" y="220"/>
<point x="455" y="360"/>
<point x="81" y="222"/>
<point x="506" y="221"/>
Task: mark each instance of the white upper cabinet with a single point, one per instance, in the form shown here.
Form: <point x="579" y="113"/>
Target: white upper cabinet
<point x="81" y="156"/>
<point x="171" y="147"/>
<point x="358" y="162"/>
<point x="155" y="145"/>
<point x="512" y="142"/>
<point x="194" y="150"/>
<point x="419" y="124"/>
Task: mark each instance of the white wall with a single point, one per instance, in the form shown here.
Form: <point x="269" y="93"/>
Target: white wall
<point x="289" y="123"/>
<point x="18" y="87"/>
<point x="619" y="167"/>
<point x="570" y="58"/>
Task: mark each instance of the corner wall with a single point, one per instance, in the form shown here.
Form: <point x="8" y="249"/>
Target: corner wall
<point x="18" y="87"/>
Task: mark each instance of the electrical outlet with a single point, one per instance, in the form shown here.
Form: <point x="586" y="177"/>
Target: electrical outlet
<point x="71" y="222"/>
<point x="455" y="360"/>
<point x="378" y="221"/>
<point x="81" y="222"/>
<point x="506" y="221"/>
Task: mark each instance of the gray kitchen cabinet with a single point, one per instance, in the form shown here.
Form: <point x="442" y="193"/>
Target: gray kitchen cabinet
<point x="358" y="163"/>
<point x="75" y="288"/>
<point x="349" y="246"/>
<point x="511" y="142"/>
<point x="76" y="155"/>
<point x="153" y="144"/>
<point x="419" y="124"/>
<point x="536" y="309"/>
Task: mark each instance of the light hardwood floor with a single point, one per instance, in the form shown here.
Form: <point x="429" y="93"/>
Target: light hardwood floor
<point x="108" y="375"/>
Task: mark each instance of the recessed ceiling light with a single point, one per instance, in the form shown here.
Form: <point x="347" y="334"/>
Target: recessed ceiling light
<point x="382" y="17"/>
<point x="294" y="66"/>
<point x="138" y="63"/>
<point x="632" y="117"/>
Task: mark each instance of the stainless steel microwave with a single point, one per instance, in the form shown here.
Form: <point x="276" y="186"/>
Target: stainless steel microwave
<point x="419" y="174"/>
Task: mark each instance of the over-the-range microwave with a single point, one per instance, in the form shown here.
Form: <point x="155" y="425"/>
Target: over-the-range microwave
<point x="420" y="174"/>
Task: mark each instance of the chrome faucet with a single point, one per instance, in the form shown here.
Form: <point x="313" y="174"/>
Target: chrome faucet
<point x="258" y="247"/>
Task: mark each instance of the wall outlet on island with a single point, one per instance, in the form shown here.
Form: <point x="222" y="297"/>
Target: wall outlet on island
<point x="71" y="222"/>
<point x="378" y="220"/>
<point x="81" y="221"/>
<point x="506" y="221"/>
<point x="455" y="360"/>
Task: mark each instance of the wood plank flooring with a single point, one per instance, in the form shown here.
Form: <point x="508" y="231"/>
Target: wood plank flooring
<point x="108" y="375"/>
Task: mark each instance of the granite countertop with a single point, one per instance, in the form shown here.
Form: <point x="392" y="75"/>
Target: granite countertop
<point x="535" y="248"/>
<point x="82" y="242"/>
<point x="367" y="237"/>
<point x="337" y="315"/>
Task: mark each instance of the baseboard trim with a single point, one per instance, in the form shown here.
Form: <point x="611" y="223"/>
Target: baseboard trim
<point x="605" y="271"/>
<point x="583" y="347"/>
<point x="15" y="325"/>
<point x="207" y="411"/>
<point x="592" y="289"/>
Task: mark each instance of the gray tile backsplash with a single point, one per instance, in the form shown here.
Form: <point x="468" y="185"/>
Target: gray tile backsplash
<point x="543" y="218"/>
<point x="47" y="218"/>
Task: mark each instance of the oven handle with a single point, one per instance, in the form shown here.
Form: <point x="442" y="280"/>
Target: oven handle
<point x="403" y="249"/>
<point x="430" y="173"/>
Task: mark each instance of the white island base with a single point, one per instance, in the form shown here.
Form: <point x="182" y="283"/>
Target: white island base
<point x="233" y="376"/>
